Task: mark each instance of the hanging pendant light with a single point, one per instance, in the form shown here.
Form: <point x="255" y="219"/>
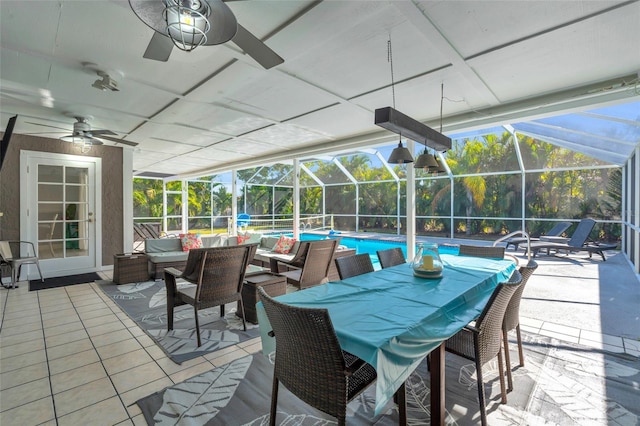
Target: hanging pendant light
<point x="439" y="167"/>
<point x="430" y="163"/>
<point x="400" y="155"/>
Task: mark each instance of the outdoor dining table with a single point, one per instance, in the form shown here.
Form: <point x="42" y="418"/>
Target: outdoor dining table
<point x="393" y="319"/>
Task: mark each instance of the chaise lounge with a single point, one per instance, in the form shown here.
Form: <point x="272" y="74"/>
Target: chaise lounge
<point x="579" y="241"/>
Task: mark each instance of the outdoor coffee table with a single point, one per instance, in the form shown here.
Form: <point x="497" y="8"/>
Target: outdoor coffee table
<point x="273" y="284"/>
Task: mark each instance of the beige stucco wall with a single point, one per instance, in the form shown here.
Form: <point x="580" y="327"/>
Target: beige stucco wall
<point x="112" y="202"/>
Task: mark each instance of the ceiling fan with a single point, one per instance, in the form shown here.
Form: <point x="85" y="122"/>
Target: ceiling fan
<point x="188" y="24"/>
<point x="82" y="133"/>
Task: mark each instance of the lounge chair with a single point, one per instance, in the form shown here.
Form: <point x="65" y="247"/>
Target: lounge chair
<point x="579" y="241"/>
<point x="556" y="231"/>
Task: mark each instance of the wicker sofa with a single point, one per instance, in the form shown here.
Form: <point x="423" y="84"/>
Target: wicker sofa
<point x="167" y="252"/>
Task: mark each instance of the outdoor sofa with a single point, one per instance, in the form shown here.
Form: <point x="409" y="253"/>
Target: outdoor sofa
<point x="167" y="252"/>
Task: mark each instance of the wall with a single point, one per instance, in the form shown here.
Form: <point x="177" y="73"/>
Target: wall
<point x="112" y="202"/>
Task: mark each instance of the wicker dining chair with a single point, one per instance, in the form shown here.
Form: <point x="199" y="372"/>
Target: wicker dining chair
<point x="313" y="264"/>
<point x="512" y="320"/>
<point x="482" y="251"/>
<point x="310" y="363"/>
<point x="357" y="264"/>
<point x="218" y="275"/>
<point x="482" y="341"/>
<point x="391" y="257"/>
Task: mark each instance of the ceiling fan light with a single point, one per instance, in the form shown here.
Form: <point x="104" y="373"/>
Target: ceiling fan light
<point x="187" y="22"/>
<point x="400" y="155"/>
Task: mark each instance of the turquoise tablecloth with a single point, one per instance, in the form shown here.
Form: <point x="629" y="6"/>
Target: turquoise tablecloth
<point x="392" y="319"/>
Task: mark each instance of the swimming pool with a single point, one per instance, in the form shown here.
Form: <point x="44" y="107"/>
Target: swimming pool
<point x="370" y="246"/>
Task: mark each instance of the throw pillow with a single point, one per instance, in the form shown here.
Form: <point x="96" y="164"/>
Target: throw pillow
<point x="249" y="237"/>
<point x="243" y="237"/>
<point x="190" y="241"/>
<point x="284" y="245"/>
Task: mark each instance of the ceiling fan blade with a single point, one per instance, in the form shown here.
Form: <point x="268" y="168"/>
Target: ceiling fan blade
<point x="122" y="141"/>
<point x="102" y="132"/>
<point x="223" y="23"/>
<point x="255" y="48"/>
<point x="159" y="48"/>
<point x="48" y="125"/>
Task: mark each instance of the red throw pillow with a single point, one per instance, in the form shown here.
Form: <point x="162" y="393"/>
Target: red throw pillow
<point x="190" y="241"/>
<point x="243" y="237"/>
<point x="284" y="245"/>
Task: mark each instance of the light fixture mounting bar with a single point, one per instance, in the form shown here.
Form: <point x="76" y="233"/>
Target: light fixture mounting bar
<point x="403" y="125"/>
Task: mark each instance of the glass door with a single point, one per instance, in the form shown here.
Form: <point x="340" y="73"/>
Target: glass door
<point x="63" y="200"/>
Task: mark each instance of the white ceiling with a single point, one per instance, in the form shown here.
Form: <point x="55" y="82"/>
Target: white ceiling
<point x="215" y="108"/>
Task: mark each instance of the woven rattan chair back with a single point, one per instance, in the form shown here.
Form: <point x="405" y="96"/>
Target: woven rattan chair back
<point x="512" y="320"/>
<point x="218" y="274"/>
<point x="482" y="341"/>
<point x="309" y="361"/>
<point x="318" y="262"/>
<point x="391" y="257"/>
<point x="489" y="323"/>
<point x="312" y="263"/>
<point x="482" y="251"/>
<point x="512" y="314"/>
<point x="350" y="266"/>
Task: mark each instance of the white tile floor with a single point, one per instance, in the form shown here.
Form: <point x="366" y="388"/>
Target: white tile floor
<point x="61" y="353"/>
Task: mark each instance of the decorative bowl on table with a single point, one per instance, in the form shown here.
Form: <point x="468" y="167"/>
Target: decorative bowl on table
<point x="427" y="263"/>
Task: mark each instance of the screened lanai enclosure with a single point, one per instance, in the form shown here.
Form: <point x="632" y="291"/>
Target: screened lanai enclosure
<point x="523" y="176"/>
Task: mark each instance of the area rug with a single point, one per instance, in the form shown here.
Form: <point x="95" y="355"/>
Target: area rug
<point x="146" y="304"/>
<point x="560" y="384"/>
<point x="54" y="282"/>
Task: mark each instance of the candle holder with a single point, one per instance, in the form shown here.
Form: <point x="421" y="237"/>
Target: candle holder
<point x="427" y="263"/>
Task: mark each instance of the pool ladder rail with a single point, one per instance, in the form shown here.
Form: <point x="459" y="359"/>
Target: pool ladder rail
<point x="514" y="233"/>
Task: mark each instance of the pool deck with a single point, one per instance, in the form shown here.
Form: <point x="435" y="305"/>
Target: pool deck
<point x="573" y="298"/>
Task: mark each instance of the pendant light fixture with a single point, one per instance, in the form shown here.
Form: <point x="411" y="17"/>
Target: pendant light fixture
<point x="430" y="163"/>
<point x="400" y="154"/>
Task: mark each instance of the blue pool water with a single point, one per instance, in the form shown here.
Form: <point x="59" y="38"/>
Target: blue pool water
<point x="370" y="246"/>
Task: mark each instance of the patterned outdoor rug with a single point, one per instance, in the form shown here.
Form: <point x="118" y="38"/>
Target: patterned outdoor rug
<point x="565" y="385"/>
<point x="146" y="304"/>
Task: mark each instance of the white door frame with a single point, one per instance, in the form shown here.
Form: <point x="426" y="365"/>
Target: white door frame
<point x="28" y="223"/>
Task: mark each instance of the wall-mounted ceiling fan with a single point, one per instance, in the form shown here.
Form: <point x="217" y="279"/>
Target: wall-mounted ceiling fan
<point x="83" y="133"/>
<point x="188" y="24"/>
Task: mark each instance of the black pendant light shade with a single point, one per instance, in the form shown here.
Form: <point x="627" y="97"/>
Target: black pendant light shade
<point x="400" y="155"/>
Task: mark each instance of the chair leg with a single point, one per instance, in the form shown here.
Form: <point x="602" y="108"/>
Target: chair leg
<point x="195" y="313"/>
<point x="14" y="279"/>
<point x="481" y="398"/>
<point x="39" y="271"/>
<point x="503" y="391"/>
<point x="507" y="359"/>
<point x="401" y="397"/>
<point x="221" y="311"/>
<point x="170" y="305"/>
<point x="520" y="352"/>
<point x="244" y="324"/>
<point x="274" y="401"/>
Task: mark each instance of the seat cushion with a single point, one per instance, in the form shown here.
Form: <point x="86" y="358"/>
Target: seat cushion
<point x="175" y="256"/>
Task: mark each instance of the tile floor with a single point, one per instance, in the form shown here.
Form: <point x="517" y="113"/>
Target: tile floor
<point x="60" y="359"/>
<point x="61" y="351"/>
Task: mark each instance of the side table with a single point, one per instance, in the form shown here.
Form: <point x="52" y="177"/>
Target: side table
<point x="273" y="284"/>
<point x="130" y="268"/>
